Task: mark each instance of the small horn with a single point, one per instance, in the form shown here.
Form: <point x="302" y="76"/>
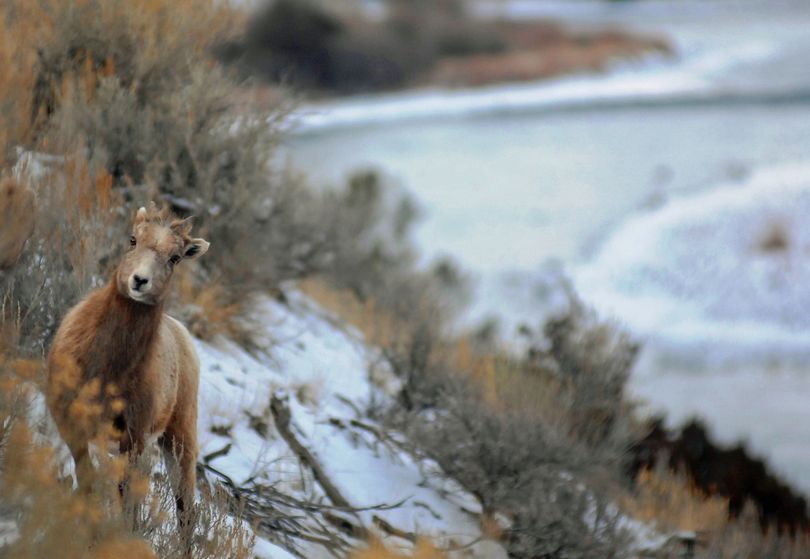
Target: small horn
<point x="141" y="216"/>
<point x="182" y="226"/>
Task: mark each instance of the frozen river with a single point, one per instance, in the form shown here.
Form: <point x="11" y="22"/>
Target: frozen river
<point x="652" y="188"/>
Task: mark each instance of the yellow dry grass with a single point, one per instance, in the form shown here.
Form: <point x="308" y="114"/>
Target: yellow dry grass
<point x="376" y="550"/>
<point x="54" y="520"/>
<point x="93" y="522"/>
<point x="18" y="60"/>
<point x="669" y="502"/>
<point x="378" y="327"/>
<point x="209" y="309"/>
<point x="16" y="220"/>
<point x="159" y="25"/>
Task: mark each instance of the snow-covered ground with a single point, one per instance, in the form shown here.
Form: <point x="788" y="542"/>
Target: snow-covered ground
<point x="329" y="376"/>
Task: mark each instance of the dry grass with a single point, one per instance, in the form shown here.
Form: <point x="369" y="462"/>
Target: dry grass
<point x="671" y="504"/>
<point x="540" y="54"/>
<point x="129" y="107"/>
<point x="743" y="539"/>
<point x="18" y="61"/>
<point x="206" y="308"/>
<point x="667" y="501"/>
<point x="378" y="326"/>
<point x="377" y="550"/>
<point x="131" y="88"/>
<point x="214" y="313"/>
<point x="505" y="429"/>
<point x="113" y="39"/>
<point x="77" y="229"/>
<point x="506" y="385"/>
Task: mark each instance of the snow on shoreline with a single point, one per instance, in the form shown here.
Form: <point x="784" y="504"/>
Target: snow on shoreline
<point x="692" y="77"/>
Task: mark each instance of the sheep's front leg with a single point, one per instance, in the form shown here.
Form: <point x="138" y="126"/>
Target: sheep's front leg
<point x="83" y="466"/>
<point x="179" y="447"/>
<point x="131" y="445"/>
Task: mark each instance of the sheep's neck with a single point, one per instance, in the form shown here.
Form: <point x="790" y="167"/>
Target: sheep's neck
<point x="126" y="332"/>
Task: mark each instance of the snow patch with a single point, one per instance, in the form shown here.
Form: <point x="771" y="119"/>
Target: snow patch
<point x="699" y="271"/>
<point x="324" y="368"/>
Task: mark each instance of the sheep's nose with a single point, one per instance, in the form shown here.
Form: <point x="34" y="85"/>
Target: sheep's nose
<point x="139" y="281"/>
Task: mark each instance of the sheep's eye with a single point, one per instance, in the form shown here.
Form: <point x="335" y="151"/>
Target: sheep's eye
<point x="174" y="260"/>
<point x="132" y="241"/>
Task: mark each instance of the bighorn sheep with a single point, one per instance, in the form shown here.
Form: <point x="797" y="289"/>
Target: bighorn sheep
<point x="136" y="365"/>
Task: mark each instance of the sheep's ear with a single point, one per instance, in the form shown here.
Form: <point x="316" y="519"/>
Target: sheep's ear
<point x="195" y="248"/>
<point x="141" y="216"/>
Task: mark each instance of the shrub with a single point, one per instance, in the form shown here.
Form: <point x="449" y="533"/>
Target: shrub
<point x="136" y="103"/>
<point x="77" y="227"/>
<point x="163" y="126"/>
<point x="149" y="49"/>
<point x="592" y="362"/>
<point x="522" y="469"/>
<point x="16" y="220"/>
<point x="16" y="82"/>
<point x="531" y="438"/>
<point x="356" y="239"/>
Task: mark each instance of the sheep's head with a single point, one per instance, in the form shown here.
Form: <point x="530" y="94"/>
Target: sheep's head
<point x="158" y="244"/>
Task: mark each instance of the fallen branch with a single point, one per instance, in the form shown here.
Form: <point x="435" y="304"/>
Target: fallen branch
<point x="217" y="453"/>
<point x="278" y="517"/>
<point x="391" y="530"/>
<point x="386" y="441"/>
<point x="428" y="508"/>
<point x="281" y="414"/>
<point x="349" y="403"/>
